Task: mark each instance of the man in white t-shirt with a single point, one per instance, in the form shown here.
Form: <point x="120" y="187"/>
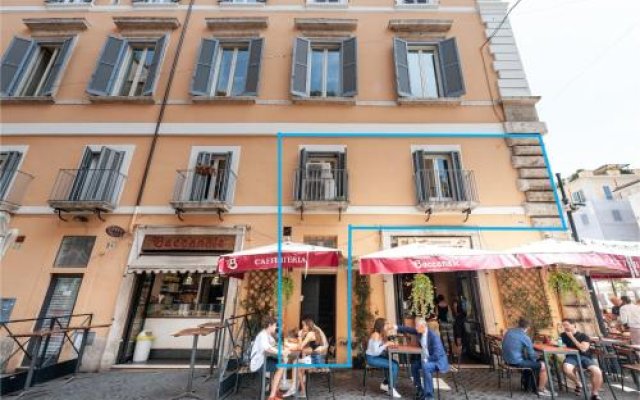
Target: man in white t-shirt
<point x="630" y="316"/>
<point x="265" y="344"/>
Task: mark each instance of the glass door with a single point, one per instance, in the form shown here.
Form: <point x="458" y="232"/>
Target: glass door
<point x="473" y="342"/>
<point x="139" y="303"/>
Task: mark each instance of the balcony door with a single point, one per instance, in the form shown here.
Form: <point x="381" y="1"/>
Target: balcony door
<point x="9" y="161"/>
<point x="98" y="175"/>
<point x="211" y="177"/>
<point x="322" y="176"/>
<point x="439" y="174"/>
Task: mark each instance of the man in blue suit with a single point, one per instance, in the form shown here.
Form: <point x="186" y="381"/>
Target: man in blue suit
<point x="432" y="359"/>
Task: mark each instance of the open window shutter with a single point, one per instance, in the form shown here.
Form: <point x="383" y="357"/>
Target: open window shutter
<point x="420" y="175"/>
<point x="80" y="181"/>
<point x="154" y="68"/>
<point x="225" y="185"/>
<point x="105" y="179"/>
<point x="302" y="169"/>
<point x="200" y="178"/>
<point x="451" y="70"/>
<point x="8" y="170"/>
<point x="458" y="177"/>
<point x="56" y="70"/>
<point x="342" y="182"/>
<point x="299" y="66"/>
<point x="203" y="72"/>
<point x="253" y="71"/>
<point x="349" y="56"/>
<point x="401" y="60"/>
<point x="107" y="67"/>
<point x="13" y="64"/>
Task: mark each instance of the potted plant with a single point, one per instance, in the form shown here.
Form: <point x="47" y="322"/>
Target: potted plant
<point x="421" y="295"/>
<point x="362" y="318"/>
<point x="564" y="283"/>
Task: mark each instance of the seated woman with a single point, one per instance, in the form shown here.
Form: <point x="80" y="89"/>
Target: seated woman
<point x="375" y="354"/>
<point x="311" y="339"/>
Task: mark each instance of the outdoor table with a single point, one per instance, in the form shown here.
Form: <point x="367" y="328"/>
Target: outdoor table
<point x="551" y="350"/>
<point x="196" y="333"/>
<point x="391" y="350"/>
<point x="217" y="328"/>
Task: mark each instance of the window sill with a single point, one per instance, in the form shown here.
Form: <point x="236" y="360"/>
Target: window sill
<point x="442" y="101"/>
<point x="311" y="4"/>
<point x="224" y="100"/>
<point x="142" y="4"/>
<point x="68" y="6"/>
<point x="449" y="205"/>
<point x="27" y="100"/>
<point x="123" y="99"/>
<point x="347" y="101"/>
<point x="402" y="6"/>
<point x="231" y="4"/>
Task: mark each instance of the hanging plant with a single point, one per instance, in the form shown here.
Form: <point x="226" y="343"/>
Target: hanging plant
<point x="421" y="295"/>
<point x="362" y="316"/>
<point x="287" y="289"/>
<point x="565" y="283"/>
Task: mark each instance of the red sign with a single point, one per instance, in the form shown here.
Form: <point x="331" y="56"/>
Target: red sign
<point x="188" y="243"/>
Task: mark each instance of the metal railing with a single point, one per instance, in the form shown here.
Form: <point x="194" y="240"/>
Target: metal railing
<point x="198" y="187"/>
<point x="12" y="193"/>
<point x="87" y="186"/>
<point x="321" y="185"/>
<point x="445" y="187"/>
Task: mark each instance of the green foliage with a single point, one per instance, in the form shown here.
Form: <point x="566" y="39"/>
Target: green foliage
<point x="362" y="316"/>
<point x="421" y="295"/>
<point x="522" y="297"/>
<point x="565" y="283"/>
<point x="621" y="286"/>
<point x="287" y="289"/>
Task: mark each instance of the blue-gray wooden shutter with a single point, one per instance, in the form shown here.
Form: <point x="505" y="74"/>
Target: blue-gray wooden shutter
<point x="301" y="173"/>
<point x="200" y="181"/>
<point x="107" y="68"/>
<point x="13" y="64"/>
<point x="401" y="61"/>
<point x="108" y="177"/>
<point x="299" y="66"/>
<point x="421" y="178"/>
<point x="458" y="181"/>
<point x="451" y="69"/>
<point x="154" y="68"/>
<point x="225" y="185"/>
<point x="203" y="72"/>
<point x="80" y="180"/>
<point x="56" y="70"/>
<point x="9" y="168"/>
<point x="349" y="57"/>
<point x="253" y="71"/>
<point x="342" y="181"/>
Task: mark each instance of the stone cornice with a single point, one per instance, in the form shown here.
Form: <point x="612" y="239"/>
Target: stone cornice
<point x="146" y="23"/>
<point x="420" y="25"/>
<point x="237" y="23"/>
<point x="56" y="24"/>
<point x="326" y="24"/>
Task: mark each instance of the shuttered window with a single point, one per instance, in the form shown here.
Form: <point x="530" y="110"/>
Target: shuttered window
<point x="75" y="251"/>
<point x="34" y="67"/>
<point x="227" y="68"/>
<point x="322" y="176"/>
<point x="99" y="177"/>
<point x="439" y="176"/>
<point x="324" y="69"/>
<point x="9" y="161"/>
<point x="428" y="70"/>
<point x="212" y="177"/>
<point x="128" y="67"/>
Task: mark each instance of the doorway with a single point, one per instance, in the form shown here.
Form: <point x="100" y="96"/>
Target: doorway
<point x="319" y="301"/>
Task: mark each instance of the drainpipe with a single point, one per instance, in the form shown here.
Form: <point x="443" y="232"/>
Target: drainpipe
<point x="574" y="235"/>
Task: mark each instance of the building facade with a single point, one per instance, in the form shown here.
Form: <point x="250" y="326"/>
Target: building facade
<point x="139" y="144"/>
<point x="605" y="197"/>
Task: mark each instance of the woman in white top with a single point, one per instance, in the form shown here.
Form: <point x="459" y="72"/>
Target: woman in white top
<point x="376" y="356"/>
<point x="265" y="344"/>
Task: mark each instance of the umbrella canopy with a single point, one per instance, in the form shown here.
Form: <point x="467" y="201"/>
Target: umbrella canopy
<point x="294" y="255"/>
<point x="629" y="250"/>
<point x="550" y="252"/>
<point x="421" y="258"/>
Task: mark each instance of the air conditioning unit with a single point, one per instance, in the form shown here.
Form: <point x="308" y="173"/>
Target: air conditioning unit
<point x="319" y="182"/>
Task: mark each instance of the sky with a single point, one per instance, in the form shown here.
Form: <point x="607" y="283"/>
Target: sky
<point x="583" y="58"/>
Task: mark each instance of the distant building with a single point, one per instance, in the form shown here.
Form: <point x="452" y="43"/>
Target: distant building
<point x="609" y="202"/>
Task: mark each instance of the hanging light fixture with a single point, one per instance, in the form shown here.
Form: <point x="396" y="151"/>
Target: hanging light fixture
<point x="188" y="280"/>
<point x="215" y="280"/>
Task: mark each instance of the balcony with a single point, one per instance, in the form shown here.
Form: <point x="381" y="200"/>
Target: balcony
<point x="203" y="189"/>
<point x="12" y="194"/>
<point x="318" y="186"/>
<point x="87" y="190"/>
<point x="446" y="190"/>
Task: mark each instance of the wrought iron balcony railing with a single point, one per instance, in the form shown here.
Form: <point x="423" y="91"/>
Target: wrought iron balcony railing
<point x="453" y="189"/>
<point x="87" y="190"/>
<point x="321" y="185"/>
<point x="204" y="189"/>
<point x="12" y="189"/>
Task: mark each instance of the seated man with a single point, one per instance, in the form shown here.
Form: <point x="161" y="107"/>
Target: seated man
<point x="265" y="344"/>
<point x="578" y="340"/>
<point x="517" y="351"/>
<point x="432" y="359"/>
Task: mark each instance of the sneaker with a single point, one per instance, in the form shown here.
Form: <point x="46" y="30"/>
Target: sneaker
<point x="544" y="393"/>
<point x="384" y="387"/>
<point x="596" y="397"/>
<point x="396" y="395"/>
<point x="290" y="392"/>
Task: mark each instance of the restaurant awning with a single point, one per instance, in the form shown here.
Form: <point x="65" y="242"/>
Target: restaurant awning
<point x="629" y="250"/>
<point x="294" y="255"/>
<point x="422" y="258"/>
<point x="173" y="264"/>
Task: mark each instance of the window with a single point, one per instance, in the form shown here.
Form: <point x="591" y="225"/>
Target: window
<point x="578" y="197"/>
<point x="99" y="177"/>
<point x="585" y="219"/>
<point x="75" y="251"/>
<point x="428" y="70"/>
<point x="617" y="215"/>
<point x="9" y="161"/>
<point x="607" y="192"/>
<point x="439" y="176"/>
<point x="227" y="69"/>
<point x="127" y="67"/>
<point x="324" y="241"/>
<point x="180" y="295"/>
<point x="322" y="176"/>
<point x="324" y="69"/>
<point x="33" y="67"/>
<point x="211" y="177"/>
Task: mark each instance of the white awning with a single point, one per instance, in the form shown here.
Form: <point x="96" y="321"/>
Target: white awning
<point x="173" y="264"/>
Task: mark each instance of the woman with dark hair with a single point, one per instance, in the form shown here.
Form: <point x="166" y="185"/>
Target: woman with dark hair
<point x="311" y="340"/>
<point x="375" y="354"/>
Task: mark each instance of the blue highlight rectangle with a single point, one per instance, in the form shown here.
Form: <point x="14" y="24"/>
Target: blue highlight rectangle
<point x="352" y="228"/>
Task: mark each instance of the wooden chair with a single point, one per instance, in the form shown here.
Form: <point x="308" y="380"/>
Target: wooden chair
<point x="329" y="351"/>
<point x="368" y="369"/>
<point x="628" y="361"/>
<point x="454" y="371"/>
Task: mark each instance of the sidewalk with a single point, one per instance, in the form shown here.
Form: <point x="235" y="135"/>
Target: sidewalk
<point x="164" y="385"/>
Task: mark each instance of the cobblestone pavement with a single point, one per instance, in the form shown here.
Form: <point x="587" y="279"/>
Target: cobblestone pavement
<point x="164" y="385"/>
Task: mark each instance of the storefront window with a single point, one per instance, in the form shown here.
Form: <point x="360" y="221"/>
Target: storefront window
<point x="190" y="295"/>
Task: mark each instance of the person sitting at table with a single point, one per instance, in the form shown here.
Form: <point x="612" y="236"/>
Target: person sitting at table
<point x="377" y="358"/>
<point x="433" y="358"/>
<point x="630" y="318"/>
<point x="265" y="344"/>
<point x="517" y="351"/>
<point x="581" y="342"/>
<point x="311" y="340"/>
<point x="615" y="309"/>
